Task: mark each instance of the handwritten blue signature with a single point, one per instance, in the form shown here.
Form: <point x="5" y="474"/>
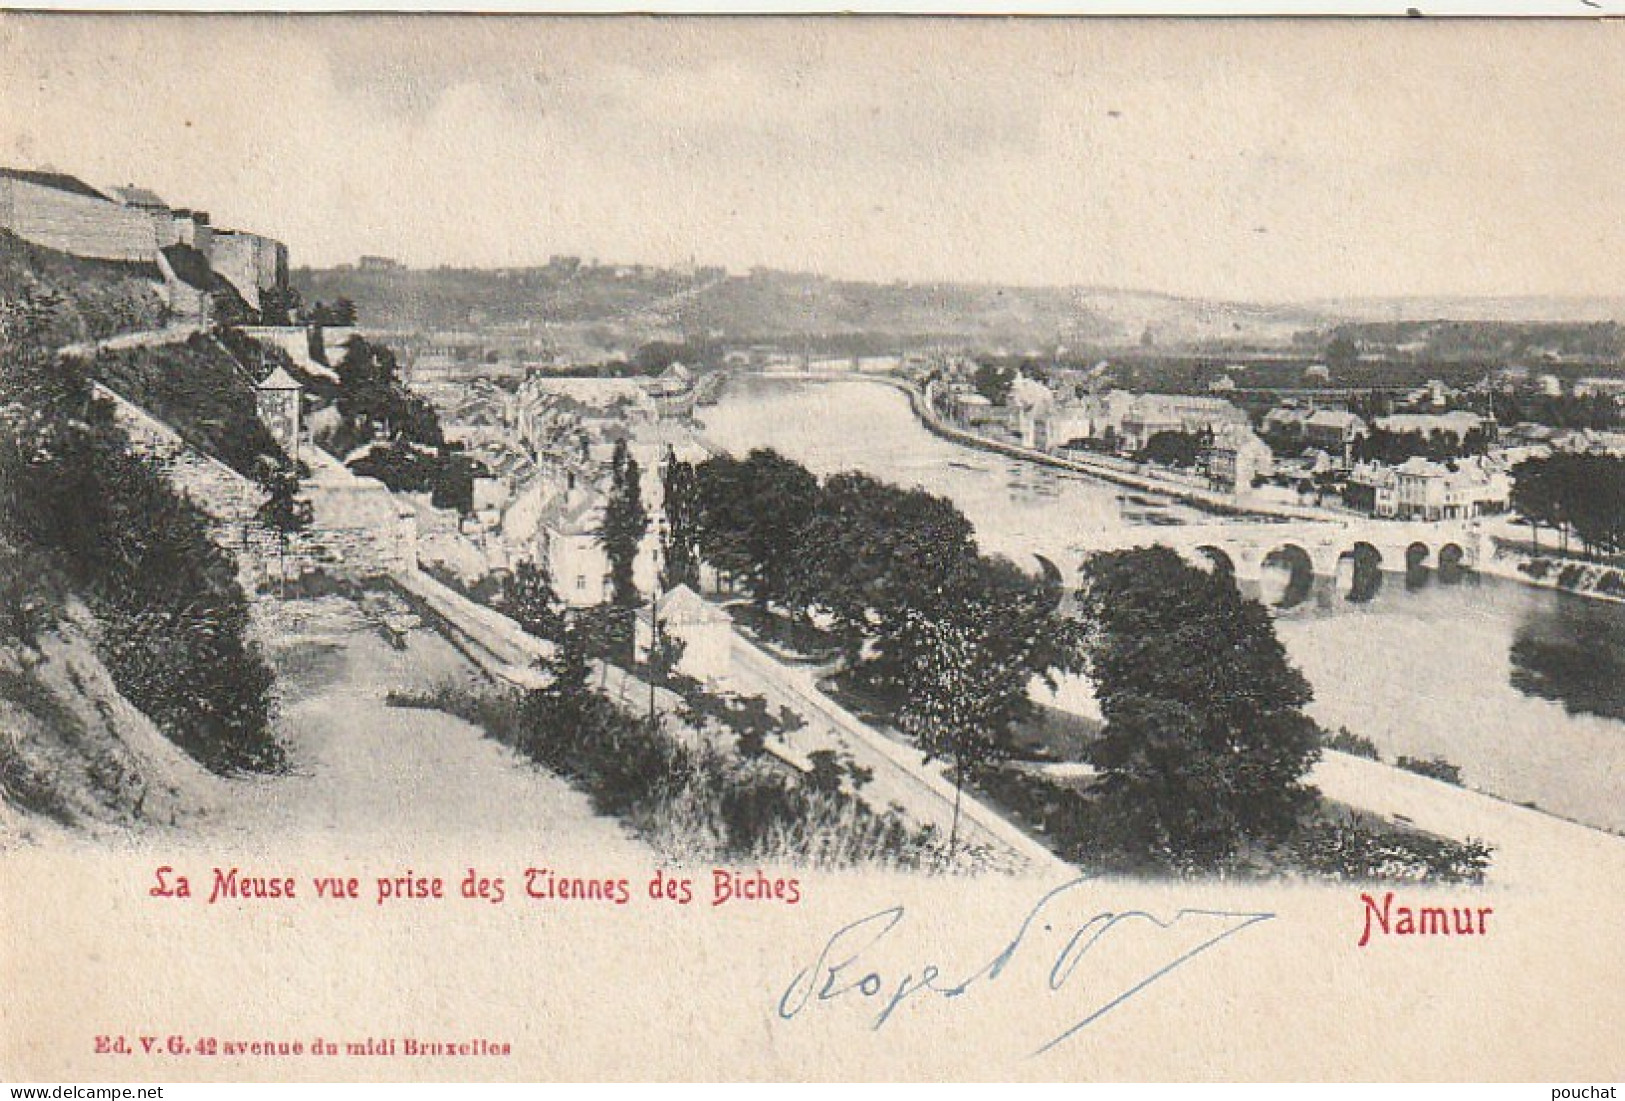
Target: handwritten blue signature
<point x="845" y="964"/>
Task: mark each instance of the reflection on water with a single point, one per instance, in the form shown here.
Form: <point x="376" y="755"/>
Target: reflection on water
<point x="1523" y="688"/>
<point x="1573" y="653"/>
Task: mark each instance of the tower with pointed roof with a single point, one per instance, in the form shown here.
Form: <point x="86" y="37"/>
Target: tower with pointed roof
<point x="277" y="400"/>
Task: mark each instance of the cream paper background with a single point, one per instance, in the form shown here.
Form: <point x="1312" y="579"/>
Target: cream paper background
<point x="652" y="991"/>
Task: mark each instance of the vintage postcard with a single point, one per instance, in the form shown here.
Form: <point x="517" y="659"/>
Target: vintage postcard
<point x="821" y="548"/>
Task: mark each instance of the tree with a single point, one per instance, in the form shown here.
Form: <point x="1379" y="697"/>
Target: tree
<point x="316" y="344"/>
<point x="1341" y="353"/>
<point x="625" y="523"/>
<point x="375" y="403"/>
<point x="1173" y="448"/>
<point x="994" y="382"/>
<point x="565" y="705"/>
<point x="279" y="306"/>
<point x="968" y="665"/>
<point x="1205" y="744"/>
<point x="283" y="511"/>
<point x="1581" y="493"/>
<point x="752" y="513"/>
<point x="871" y="551"/>
<point x="680" y="535"/>
<point x="528" y="598"/>
<point x="1534" y="495"/>
<point x="451" y="484"/>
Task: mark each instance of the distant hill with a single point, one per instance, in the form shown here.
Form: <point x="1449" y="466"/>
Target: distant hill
<point x="638" y="304"/>
<point x="626" y="306"/>
<point x="1528" y="341"/>
<point x="1463" y="308"/>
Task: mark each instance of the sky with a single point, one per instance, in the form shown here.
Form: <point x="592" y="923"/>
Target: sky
<point x="1252" y="160"/>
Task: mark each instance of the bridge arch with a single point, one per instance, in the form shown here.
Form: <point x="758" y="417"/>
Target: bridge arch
<point x="1359" y="572"/>
<point x="1418" y="566"/>
<point x="1287" y="576"/>
<point x="1453" y="563"/>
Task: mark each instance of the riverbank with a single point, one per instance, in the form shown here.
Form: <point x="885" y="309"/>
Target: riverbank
<point x="1219" y="504"/>
<point x="1557" y="574"/>
<point x="1587" y="580"/>
<point x="1514" y="683"/>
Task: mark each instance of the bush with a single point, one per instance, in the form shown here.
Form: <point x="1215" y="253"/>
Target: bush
<point x="694" y="802"/>
<point x="173" y="619"/>
<point x="81" y="299"/>
<point x="1084" y="830"/>
<point x="1346" y="741"/>
<point x="1536" y="568"/>
<point x="1351" y="852"/>
<point x="201" y="392"/>
<point x="1436" y="768"/>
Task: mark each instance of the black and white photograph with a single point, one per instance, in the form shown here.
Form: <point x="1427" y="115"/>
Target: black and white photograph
<point x="842" y="547"/>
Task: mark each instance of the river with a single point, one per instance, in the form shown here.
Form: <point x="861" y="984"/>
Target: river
<point x="1522" y="688"/>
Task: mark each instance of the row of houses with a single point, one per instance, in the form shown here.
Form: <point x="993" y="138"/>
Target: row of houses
<point x="546" y="446"/>
<point x="1422" y="489"/>
<point x="1122" y="420"/>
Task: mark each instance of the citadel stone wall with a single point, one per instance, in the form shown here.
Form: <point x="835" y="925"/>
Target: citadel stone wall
<point x="96" y="229"/>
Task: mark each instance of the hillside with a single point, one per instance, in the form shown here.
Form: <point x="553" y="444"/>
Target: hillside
<point x="201" y="391"/>
<point x="74" y="750"/>
<point x="1463" y="308"/>
<point x="1479" y="340"/>
<point x="84" y="299"/>
<point x="633" y="305"/>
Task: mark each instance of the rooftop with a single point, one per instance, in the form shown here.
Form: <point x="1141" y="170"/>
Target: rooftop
<point x="61" y="181"/>
<point x="131" y="195"/>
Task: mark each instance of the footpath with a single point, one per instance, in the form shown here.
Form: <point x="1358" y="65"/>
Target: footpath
<point x="923" y="793"/>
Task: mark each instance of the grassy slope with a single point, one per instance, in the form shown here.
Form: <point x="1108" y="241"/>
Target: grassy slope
<point x="199" y="391"/>
<point x="75" y="751"/>
<point x="94" y="298"/>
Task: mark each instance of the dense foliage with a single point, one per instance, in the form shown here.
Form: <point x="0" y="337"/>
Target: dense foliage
<point x="199" y="390"/>
<point x="409" y="451"/>
<point x="625" y="523"/>
<point x="173" y="620"/>
<point x="1578" y="494"/>
<point x="78" y="299"/>
<point x="950" y="638"/>
<point x="1206" y="744"/>
<point x="994" y="381"/>
<point x="680" y="536"/>
<point x="751" y="515"/>
<point x="1382" y="446"/>
<point x="1175" y="448"/>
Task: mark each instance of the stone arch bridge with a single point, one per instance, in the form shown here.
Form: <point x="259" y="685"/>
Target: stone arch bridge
<point x="1394" y="547"/>
<point x="1322" y="558"/>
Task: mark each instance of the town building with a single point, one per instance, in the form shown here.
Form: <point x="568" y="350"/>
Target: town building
<point x="1238" y="458"/>
<point x="1598" y="386"/>
<point x="1149" y="414"/>
<point x="1457" y="423"/>
<point x="704" y="631"/>
<point x="567" y="538"/>
<point x="1421" y="489"/>
<point x="1333" y="431"/>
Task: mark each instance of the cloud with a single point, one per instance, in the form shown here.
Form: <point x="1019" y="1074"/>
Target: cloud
<point x="1382" y="158"/>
